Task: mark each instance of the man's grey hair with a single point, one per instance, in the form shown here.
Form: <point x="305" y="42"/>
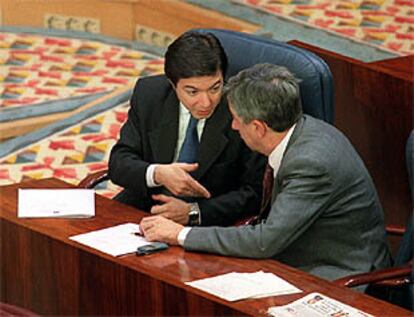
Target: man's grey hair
<point x="268" y="93"/>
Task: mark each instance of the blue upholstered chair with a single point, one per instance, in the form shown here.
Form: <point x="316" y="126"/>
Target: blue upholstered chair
<point x="245" y="50"/>
<point x="394" y="284"/>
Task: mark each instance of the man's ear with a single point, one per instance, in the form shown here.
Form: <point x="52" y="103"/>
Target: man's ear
<point x="260" y="127"/>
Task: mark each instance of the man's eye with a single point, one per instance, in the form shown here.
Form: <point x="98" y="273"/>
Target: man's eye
<point x="215" y="89"/>
<point x="191" y="92"/>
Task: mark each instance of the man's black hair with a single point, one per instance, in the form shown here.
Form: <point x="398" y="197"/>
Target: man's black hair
<point x="194" y="54"/>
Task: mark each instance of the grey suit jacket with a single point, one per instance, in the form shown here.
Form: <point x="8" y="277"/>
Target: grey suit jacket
<point x="227" y="168"/>
<point x="325" y="218"/>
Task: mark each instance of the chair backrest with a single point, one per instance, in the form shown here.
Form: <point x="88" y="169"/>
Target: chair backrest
<point x="316" y="87"/>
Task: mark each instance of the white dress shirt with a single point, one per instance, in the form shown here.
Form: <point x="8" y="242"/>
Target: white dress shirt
<point x="184" y="119"/>
<point x="275" y="158"/>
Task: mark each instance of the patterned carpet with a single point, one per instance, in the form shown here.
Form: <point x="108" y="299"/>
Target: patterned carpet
<point x="42" y="71"/>
<point x="70" y="154"/>
<point x="36" y="69"/>
<point x="386" y="24"/>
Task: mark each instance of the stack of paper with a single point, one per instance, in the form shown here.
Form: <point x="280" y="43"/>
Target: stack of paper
<point x="236" y="286"/>
<point x="63" y="203"/>
<point x="316" y="305"/>
<point x="115" y="241"/>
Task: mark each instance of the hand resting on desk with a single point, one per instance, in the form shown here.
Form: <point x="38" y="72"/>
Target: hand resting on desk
<point x="158" y="228"/>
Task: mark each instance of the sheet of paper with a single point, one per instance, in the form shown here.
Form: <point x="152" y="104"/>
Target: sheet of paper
<point x="70" y="203"/>
<point x="316" y="305"/>
<point x="115" y="241"/>
<point x="236" y="286"/>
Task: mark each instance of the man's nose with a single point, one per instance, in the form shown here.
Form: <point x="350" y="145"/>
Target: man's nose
<point x="205" y="100"/>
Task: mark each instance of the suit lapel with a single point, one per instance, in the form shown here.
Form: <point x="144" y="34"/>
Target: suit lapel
<point x="163" y="139"/>
<point x="296" y="132"/>
<point x="275" y="190"/>
<point x="213" y="140"/>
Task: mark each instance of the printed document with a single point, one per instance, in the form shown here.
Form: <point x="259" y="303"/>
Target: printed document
<point x="237" y="286"/>
<point x="65" y="203"/>
<point x="115" y="241"/>
<point x="316" y="305"/>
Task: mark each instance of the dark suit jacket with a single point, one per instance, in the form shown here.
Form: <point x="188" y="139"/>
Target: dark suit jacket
<point x="325" y="218"/>
<point x="227" y="168"/>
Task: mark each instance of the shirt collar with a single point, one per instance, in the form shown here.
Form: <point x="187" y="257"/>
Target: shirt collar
<point x="275" y="158"/>
<point x="184" y="110"/>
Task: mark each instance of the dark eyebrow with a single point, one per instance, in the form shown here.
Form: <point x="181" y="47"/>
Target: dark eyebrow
<point x="190" y="87"/>
<point x="212" y="86"/>
<point x="216" y="83"/>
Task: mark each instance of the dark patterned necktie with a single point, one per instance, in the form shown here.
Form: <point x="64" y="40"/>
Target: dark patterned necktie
<point x="265" y="205"/>
<point x="268" y="181"/>
<point x="189" y="149"/>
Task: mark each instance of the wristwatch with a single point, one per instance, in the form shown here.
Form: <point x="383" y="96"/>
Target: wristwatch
<point x="194" y="215"/>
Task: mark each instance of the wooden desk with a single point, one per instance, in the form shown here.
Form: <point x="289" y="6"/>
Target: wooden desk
<point x="42" y="270"/>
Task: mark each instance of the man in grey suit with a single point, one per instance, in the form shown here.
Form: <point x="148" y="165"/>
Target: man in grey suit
<point x="325" y="216"/>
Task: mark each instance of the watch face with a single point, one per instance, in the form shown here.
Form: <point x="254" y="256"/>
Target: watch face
<point x="193" y="217"/>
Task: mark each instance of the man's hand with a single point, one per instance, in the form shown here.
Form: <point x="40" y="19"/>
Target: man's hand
<point x="176" y="178"/>
<point x="158" y="228"/>
<point x="173" y="208"/>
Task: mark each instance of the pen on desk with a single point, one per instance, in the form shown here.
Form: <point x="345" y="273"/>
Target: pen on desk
<point x="137" y="233"/>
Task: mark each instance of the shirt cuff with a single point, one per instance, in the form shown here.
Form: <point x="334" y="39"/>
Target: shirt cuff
<point x="182" y="235"/>
<point x="149" y="176"/>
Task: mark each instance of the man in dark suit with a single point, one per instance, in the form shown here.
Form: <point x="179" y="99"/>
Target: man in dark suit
<point x="177" y="155"/>
<point x="325" y="216"/>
